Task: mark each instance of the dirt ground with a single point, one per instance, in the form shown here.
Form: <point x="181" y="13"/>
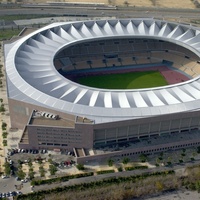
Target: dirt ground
<point x="186" y="4"/>
<point x="137" y="3"/>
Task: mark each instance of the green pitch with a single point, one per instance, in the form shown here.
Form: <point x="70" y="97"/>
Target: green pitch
<point x="131" y="80"/>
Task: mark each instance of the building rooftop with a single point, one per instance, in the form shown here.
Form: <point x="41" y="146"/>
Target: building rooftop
<point x="49" y="119"/>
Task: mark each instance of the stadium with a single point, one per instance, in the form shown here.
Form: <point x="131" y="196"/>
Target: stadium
<point x="57" y="112"/>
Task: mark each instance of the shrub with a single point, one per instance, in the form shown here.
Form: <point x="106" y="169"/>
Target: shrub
<point x="80" y="167"/>
<point x="3" y="126"/>
<point x="106" y="171"/>
<point x="143" y="158"/>
<point x="60" y="179"/>
<point x="2" y="108"/>
<point x="52" y="169"/>
<point x="110" y="162"/>
<point x="198" y="149"/>
<point x="183" y="154"/>
<point x="125" y="160"/>
<point x="120" y="169"/>
<point x="4" y="142"/>
<point x="169" y="163"/>
<point x="135" y="167"/>
<point x="4" y="134"/>
<point x="192" y="159"/>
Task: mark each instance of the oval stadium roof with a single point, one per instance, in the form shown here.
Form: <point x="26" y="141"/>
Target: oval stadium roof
<point x="32" y="77"/>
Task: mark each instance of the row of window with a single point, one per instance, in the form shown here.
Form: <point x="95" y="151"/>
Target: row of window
<point x="57" y="134"/>
<point x="52" y="131"/>
<point x="161" y="149"/>
<point x="56" y="137"/>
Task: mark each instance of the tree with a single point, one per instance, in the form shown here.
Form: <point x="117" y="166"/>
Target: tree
<point x="169" y="161"/>
<point x="125" y="160"/>
<point x="5" y="134"/>
<point x="20" y="173"/>
<point x="30" y="164"/>
<point x="50" y="160"/>
<point x="80" y="167"/>
<point x="7" y="168"/>
<point x="198" y="149"/>
<point x="4" y="142"/>
<point x="4" y="126"/>
<point x="143" y="157"/>
<point x="42" y="171"/>
<point x="52" y="169"/>
<point x="110" y="162"/>
<point x="31" y="173"/>
<point x="2" y="108"/>
<point x="120" y="169"/>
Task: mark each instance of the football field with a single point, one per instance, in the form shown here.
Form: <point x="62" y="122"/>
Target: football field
<point x="130" y="80"/>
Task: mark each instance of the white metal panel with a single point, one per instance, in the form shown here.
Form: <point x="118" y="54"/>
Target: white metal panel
<point x="182" y="95"/>
<point x="93" y="98"/>
<point x="80" y="95"/>
<point x="68" y="91"/>
<point x="170" y="99"/>
<point x="155" y="101"/>
<point x="108" y="100"/>
<point x="123" y="101"/>
<point x="139" y="101"/>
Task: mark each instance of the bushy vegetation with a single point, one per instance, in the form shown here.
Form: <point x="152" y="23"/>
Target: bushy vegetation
<point x="2" y="108"/>
<point x="52" y="169"/>
<point x="105" y="171"/>
<point x="80" y="167"/>
<point x="135" y="167"/>
<point x="110" y="162"/>
<point x="113" y="188"/>
<point x="5" y="134"/>
<point x="20" y="173"/>
<point x="3" y="126"/>
<point x="126" y="160"/>
<point x="60" y="179"/>
<point x="120" y="169"/>
<point x="4" y="142"/>
<point x="7" y="168"/>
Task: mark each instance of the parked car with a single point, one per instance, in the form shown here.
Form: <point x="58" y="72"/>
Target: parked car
<point x="4" y="176"/>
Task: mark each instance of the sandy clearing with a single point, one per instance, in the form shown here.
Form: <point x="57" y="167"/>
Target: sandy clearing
<point x="137" y="3"/>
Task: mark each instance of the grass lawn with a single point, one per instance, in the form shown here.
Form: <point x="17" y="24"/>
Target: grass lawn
<point x="24" y="16"/>
<point x="131" y="80"/>
<point x="8" y="33"/>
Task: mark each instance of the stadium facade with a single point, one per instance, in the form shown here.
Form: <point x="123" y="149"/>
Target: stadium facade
<point x="58" y="113"/>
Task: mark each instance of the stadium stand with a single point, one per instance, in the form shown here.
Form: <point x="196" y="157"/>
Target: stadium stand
<point x="122" y="52"/>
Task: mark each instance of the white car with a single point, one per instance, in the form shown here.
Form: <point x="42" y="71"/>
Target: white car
<point x="4" y="176"/>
